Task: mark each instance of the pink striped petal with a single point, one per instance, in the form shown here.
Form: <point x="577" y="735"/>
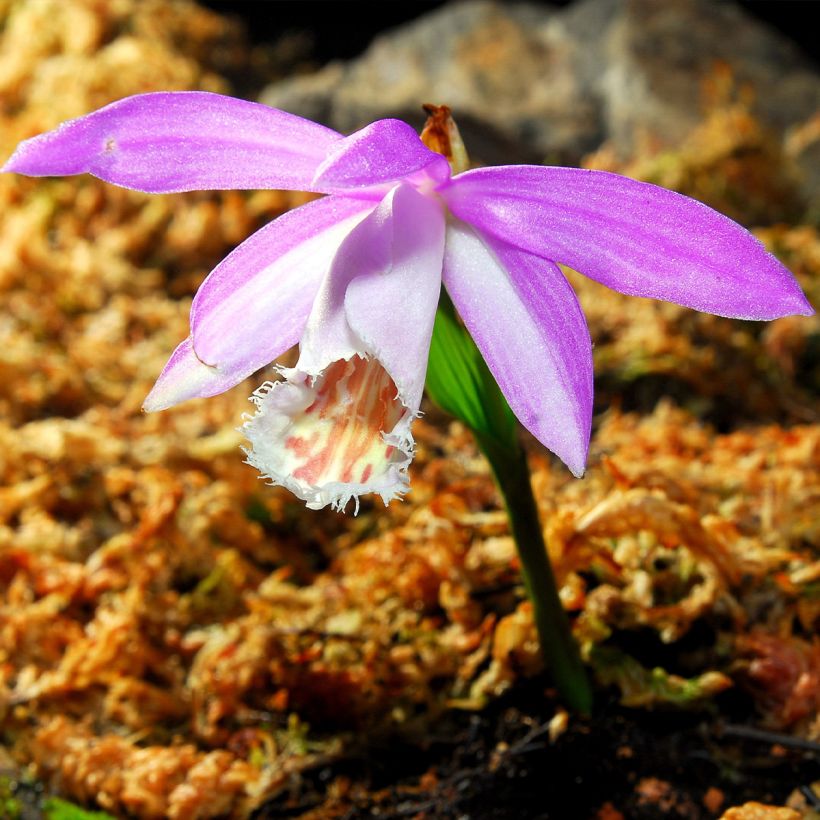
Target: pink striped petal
<point x="382" y="153"/>
<point x="332" y="436"/>
<point x="253" y="306"/>
<point x="182" y="141"/>
<point x="634" y="237"/>
<point x="528" y="325"/>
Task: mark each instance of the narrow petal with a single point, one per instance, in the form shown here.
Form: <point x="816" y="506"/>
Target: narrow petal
<point x="182" y="141"/>
<point x="253" y="306"/>
<point x="185" y="377"/>
<point x="631" y="236"/>
<point x="528" y="325"/>
<point x="338" y="426"/>
<point x="380" y="154"/>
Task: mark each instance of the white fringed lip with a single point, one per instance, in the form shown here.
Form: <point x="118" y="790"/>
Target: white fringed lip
<point x="332" y="436"/>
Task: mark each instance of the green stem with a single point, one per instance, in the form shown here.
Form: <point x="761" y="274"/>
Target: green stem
<point x="459" y="381"/>
<point x="558" y="645"/>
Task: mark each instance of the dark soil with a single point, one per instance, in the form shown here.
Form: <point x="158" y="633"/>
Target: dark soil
<point x="501" y="763"/>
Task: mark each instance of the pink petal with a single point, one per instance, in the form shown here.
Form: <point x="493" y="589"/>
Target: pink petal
<point x="182" y="141"/>
<point x="381" y="153"/>
<point x="634" y="237"/>
<point x="528" y="325"/>
<point x="253" y="306"/>
<point x="393" y="309"/>
<point x="382" y="292"/>
<point x="185" y="377"/>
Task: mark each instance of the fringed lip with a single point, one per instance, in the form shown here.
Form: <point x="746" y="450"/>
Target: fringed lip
<point x="332" y="436"/>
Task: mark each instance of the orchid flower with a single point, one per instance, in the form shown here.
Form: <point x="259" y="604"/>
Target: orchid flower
<point x="355" y="277"/>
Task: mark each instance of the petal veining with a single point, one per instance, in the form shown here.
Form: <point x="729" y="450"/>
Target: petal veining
<point x="182" y="141"/>
<point x="332" y="437"/>
<point x="528" y="325"/>
<point x="634" y="237"/>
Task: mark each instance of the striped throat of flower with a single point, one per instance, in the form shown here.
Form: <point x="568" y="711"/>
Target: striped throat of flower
<point x="332" y="436"/>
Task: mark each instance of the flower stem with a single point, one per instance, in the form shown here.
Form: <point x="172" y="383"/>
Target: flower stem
<point x="558" y="646"/>
<point x="459" y="381"/>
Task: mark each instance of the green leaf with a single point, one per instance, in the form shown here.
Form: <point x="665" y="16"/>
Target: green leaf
<point x="460" y="383"/>
<point x="56" y="809"/>
<point x="642" y="687"/>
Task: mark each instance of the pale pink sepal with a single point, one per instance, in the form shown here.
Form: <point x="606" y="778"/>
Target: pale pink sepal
<point x="253" y="306"/>
<point x="631" y="236"/>
<point x="528" y="325"/>
<point x="185" y="377"/>
<point x="369" y="161"/>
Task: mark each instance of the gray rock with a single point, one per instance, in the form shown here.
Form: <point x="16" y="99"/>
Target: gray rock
<point x="534" y="83"/>
<point x="660" y="56"/>
<point x="506" y="72"/>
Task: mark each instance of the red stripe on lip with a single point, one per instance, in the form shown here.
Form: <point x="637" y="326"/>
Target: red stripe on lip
<point x="341" y="434"/>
